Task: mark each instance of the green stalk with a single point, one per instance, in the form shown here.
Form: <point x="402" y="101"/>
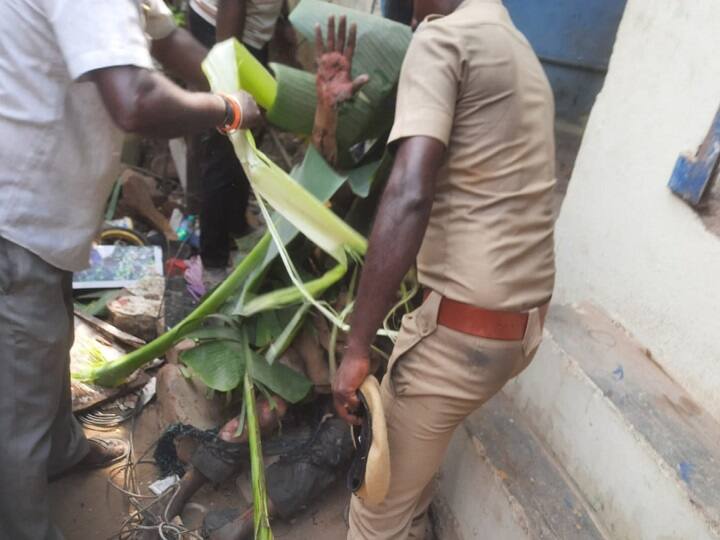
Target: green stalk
<point x="115" y="372"/>
<point x="288" y="334"/>
<point x="292" y="295"/>
<point x="261" y="516"/>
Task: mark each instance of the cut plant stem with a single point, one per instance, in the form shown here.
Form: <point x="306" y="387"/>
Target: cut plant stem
<point x="115" y="372"/>
<point x="261" y="516"/>
<point x="292" y="295"/>
<point x="280" y="345"/>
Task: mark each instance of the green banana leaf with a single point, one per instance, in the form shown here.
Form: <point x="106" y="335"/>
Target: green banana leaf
<point x="280" y="379"/>
<point x="223" y="355"/>
<point x="381" y="47"/>
<point x="220" y="364"/>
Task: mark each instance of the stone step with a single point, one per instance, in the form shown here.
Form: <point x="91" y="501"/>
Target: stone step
<point x="497" y="482"/>
<point x="643" y="453"/>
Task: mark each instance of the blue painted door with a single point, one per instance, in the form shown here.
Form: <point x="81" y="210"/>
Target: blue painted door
<point x="574" y="40"/>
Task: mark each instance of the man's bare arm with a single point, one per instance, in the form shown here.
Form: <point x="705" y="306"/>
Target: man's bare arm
<point x="230" y="20"/>
<point x="146" y="102"/>
<point x="396" y="237"/>
<point x="181" y="54"/>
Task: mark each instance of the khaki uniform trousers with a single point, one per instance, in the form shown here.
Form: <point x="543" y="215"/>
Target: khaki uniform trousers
<point x="39" y="436"/>
<point x="436" y="378"/>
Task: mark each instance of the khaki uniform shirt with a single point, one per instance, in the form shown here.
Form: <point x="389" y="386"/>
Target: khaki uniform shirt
<point x="471" y="80"/>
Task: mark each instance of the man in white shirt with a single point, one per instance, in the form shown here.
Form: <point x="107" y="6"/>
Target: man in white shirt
<point x="74" y="74"/>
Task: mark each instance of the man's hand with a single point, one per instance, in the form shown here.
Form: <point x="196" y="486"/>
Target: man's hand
<point x="251" y="115"/>
<point x="333" y="82"/>
<point x="352" y="372"/>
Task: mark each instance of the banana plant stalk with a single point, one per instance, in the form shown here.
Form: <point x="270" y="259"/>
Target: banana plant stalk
<point x="115" y="372"/>
<point x="261" y="515"/>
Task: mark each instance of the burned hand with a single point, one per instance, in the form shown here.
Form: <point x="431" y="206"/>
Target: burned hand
<point x="333" y="80"/>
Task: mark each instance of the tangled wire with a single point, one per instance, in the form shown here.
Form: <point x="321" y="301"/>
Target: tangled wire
<point x="148" y="512"/>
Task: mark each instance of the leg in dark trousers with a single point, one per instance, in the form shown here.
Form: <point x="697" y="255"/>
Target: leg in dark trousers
<point x="40" y="436"/>
<point x="224" y="190"/>
<point x="224" y="185"/>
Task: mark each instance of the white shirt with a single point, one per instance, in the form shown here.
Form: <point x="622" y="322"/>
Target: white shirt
<point x="59" y="149"/>
<point x="260" y="18"/>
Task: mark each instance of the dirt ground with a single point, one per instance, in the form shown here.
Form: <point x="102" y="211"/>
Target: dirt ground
<point x="86" y="507"/>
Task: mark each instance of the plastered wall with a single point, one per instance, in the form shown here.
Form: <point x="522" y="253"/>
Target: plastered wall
<point x="623" y="240"/>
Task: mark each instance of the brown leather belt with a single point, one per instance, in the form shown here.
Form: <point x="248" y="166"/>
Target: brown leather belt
<point x="485" y="323"/>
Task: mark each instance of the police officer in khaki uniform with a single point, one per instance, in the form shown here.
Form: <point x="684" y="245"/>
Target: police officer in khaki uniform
<point x="470" y="198"/>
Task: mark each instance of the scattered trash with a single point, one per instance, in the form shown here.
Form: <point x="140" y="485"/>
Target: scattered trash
<point x="194" y="278"/>
<point x="176" y="219"/>
<point x="186" y="228"/>
<point x="174" y="265"/>
<point x="161" y="486"/>
<point x="121" y="236"/>
<point x="123" y="223"/>
<point x="91" y="348"/>
<point x="110" y="331"/>
<point x="122" y="409"/>
<point x="119" y="266"/>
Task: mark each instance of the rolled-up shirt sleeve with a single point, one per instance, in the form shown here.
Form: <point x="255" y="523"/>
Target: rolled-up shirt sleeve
<point x="96" y="34"/>
<point x="429" y="83"/>
<point x="159" y="20"/>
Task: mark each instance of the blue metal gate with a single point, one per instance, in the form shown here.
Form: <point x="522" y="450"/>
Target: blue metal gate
<point x="574" y="40"/>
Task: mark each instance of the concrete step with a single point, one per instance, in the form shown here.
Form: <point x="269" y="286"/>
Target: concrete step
<point x="498" y="483"/>
<point x="642" y="452"/>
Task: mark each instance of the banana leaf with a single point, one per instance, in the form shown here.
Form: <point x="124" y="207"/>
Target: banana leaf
<point x="230" y="67"/>
<point x="220" y="364"/>
<point x="381" y="47"/>
<point x="270" y="183"/>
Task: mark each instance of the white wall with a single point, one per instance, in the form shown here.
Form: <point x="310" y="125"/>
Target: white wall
<point x="624" y="241"/>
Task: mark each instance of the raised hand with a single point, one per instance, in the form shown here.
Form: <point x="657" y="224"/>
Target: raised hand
<point x="334" y="82"/>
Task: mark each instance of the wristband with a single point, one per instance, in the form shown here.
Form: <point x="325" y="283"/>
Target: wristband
<point x="233" y="114"/>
